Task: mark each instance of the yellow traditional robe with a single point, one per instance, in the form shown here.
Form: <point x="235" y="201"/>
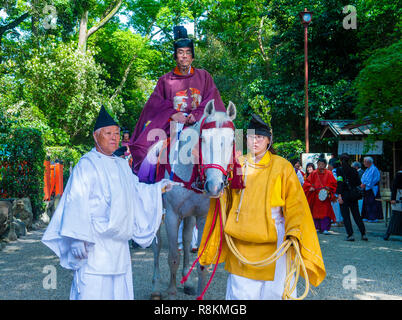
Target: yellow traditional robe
<point x="270" y="183"/>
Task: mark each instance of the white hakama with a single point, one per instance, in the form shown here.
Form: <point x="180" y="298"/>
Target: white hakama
<point x="104" y="205"/>
<point x="88" y="286"/>
<point x="241" y="288"/>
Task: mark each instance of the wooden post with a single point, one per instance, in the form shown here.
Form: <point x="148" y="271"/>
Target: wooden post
<point x="306" y="122"/>
<point x="52" y="179"/>
<point x="58" y="179"/>
<point x="47" y="184"/>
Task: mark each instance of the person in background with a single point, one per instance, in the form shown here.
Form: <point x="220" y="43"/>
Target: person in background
<point x="299" y="167"/>
<point x="332" y="161"/>
<point x="372" y="209"/>
<point x="332" y="166"/>
<point x="125" y="142"/>
<point x="320" y="188"/>
<point x="348" y="180"/>
<point x="194" y="239"/>
<point x="395" y="224"/>
<point x="358" y="167"/>
<point x="299" y="173"/>
<point x="310" y="167"/>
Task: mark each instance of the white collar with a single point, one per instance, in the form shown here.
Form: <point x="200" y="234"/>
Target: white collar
<point x="100" y="154"/>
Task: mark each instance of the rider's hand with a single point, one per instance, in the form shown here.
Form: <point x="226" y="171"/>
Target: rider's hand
<point x="190" y="119"/>
<point x="78" y="249"/>
<point x="179" y="117"/>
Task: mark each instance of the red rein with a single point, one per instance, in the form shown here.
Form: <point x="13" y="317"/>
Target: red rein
<point x="202" y="167"/>
<point x="236" y="183"/>
<point x="184" y="279"/>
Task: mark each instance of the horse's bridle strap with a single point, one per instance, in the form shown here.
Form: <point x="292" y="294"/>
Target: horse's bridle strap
<point x="212" y="125"/>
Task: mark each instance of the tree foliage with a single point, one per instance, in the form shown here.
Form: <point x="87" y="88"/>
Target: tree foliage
<point x="379" y="89"/>
<point x="66" y="85"/>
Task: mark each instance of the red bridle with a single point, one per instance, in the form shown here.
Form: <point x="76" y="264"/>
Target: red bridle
<point x="203" y="167"/>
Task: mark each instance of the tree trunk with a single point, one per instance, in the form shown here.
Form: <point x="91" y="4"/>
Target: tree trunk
<point x="261" y="46"/>
<point x="35" y="33"/>
<point x="82" y="37"/>
<point x="195" y="28"/>
<point x="84" y="33"/>
<point x="123" y="80"/>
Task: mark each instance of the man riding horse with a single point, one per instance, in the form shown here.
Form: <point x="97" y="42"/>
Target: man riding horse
<point x="185" y="96"/>
<point x="180" y="96"/>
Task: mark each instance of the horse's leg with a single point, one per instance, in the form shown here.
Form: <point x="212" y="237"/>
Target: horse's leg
<point x="156" y="280"/>
<point x="201" y="270"/>
<point x="172" y="222"/>
<point x="188" y="227"/>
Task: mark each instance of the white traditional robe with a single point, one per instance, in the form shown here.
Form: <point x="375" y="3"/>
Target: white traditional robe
<point x="104" y="205"/>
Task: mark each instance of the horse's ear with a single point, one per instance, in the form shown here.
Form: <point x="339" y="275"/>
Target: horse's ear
<point x="210" y="108"/>
<point x="231" y="111"/>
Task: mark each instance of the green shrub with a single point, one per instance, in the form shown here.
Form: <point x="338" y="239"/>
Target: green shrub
<point x="290" y="150"/>
<point x="21" y="158"/>
<point x="65" y="155"/>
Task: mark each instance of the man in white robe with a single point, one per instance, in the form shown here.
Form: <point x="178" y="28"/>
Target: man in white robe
<point x="102" y="208"/>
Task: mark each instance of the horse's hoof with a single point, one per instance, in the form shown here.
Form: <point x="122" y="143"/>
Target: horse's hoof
<point x="156" y="296"/>
<point x="189" y="290"/>
<point x="169" y="296"/>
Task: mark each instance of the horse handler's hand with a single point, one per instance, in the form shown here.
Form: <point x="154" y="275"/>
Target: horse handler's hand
<point x="167" y="185"/>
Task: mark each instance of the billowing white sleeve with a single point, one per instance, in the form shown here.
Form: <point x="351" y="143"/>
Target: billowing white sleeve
<point x="71" y="220"/>
<point x="148" y="211"/>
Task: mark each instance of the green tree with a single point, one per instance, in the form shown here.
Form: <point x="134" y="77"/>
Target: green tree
<point x="132" y="70"/>
<point x="83" y="8"/>
<point x="66" y="85"/>
<point x="379" y="89"/>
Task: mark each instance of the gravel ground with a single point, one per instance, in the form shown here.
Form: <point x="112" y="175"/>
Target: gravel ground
<point x="26" y="265"/>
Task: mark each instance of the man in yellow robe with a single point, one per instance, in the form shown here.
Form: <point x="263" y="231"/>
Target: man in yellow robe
<point x="270" y="209"/>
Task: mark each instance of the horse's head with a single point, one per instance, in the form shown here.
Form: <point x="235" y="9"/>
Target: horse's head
<point x="217" y="147"/>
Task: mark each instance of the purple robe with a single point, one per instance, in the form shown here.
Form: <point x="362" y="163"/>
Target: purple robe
<point x="173" y="93"/>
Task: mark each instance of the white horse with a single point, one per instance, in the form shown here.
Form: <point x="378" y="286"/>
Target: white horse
<point x="216" y="133"/>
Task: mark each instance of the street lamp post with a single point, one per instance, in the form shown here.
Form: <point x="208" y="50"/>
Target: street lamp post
<point x="305" y="20"/>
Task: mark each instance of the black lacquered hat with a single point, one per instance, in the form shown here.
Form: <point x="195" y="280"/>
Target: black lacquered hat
<point x="104" y="119"/>
<point x="259" y="126"/>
